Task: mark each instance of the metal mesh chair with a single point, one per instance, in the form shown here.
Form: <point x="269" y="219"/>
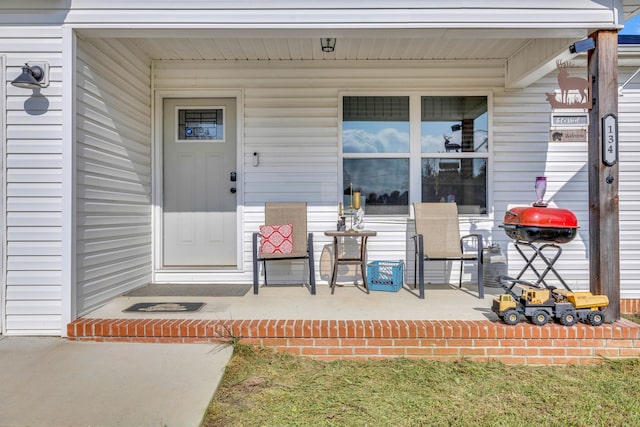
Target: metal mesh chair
<point x="438" y="239"/>
<point x="294" y="213"/>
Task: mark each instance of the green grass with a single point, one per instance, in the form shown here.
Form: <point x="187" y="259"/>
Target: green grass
<point x="263" y="388"/>
<point x="633" y="317"/>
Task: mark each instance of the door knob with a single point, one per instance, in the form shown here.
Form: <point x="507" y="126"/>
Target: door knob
<point x="233" y="190"/>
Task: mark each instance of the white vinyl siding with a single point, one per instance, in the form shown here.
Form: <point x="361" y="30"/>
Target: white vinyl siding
<point x="291" y="120"/>
<point x="522" y="151"/>
<point x="629" y="185"/>
<point x="33" y="186"/>
<point x="113" y="166"/>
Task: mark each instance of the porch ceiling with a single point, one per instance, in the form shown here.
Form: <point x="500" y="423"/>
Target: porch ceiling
<point x="357" y="49"/>
<point x="352" y="44"/>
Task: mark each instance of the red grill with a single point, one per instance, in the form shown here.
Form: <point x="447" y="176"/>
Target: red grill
<point x="540" y="224"/>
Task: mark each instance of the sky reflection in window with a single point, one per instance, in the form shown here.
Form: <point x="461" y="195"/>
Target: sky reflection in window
<point x="375" y="137"/>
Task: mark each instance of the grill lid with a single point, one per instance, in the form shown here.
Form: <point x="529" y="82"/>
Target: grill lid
<point x="532" y="216"/>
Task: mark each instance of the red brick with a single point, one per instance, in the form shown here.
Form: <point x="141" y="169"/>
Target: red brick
<point x="567" y="360"/>
<point x="494" y="351"/>
<point x="328" y="342"/>
<point x="392" y="351"/>
<point x="445" y="351"/>
<point x="380" y="342"/>
<point x="352" y="342"/>
<point x="459" y="342"/>
<point x="540" y="343"/>
<point x="526" y="351"/>
<point x="275" y="342"/>
<point x="579" y="352"/>
<point x="414" y="351"/>
<point x="486" y="342"/>
<point x="313" y="350"/>
<point x="407" y="342"/>
<point x="366" y="350"/>
<point x="539" y="360"/>
<point x="606" y="352"/>
<point x="566" y="343"/>
<point x="471" y="351"/>
<point x="340" y="350"/>
<point x="552" y="351"/>
<point x="623" y="343"/>
<point x="438" y="340"/>
<point x="513" y="343"/>
<point x="630" y="352"/>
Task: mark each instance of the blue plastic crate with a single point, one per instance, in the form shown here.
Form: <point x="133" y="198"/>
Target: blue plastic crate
<point x="385" y="276"/>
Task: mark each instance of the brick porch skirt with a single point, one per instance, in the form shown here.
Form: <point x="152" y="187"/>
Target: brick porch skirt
<point x="551" y="344"/>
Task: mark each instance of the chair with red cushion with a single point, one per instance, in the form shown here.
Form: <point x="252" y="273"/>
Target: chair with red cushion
<point x="283" y="237"/>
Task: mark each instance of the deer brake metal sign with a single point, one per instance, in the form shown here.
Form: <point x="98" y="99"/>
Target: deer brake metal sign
<point x="575" y="92"/>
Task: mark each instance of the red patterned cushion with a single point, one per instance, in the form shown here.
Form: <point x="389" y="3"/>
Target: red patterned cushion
<point x="276" y="239"/>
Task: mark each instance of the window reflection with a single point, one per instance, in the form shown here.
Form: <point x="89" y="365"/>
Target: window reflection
<point x="454" y="124"/>
<point x="453" y="137"/>
<point x="459" y="180"/>
<point x="384" y="184"/>
<point x="375" y="137"/>
<point x="379" y="141"/>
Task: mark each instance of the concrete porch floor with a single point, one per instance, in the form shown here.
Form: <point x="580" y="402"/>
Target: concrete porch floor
<point x="349" y="302"/>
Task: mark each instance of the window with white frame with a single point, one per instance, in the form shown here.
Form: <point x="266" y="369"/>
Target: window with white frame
<point x="385" y="140"/>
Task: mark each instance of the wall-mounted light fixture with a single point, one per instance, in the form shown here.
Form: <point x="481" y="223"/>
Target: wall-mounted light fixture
<point x="34" y="76"/>
<point x="328" y="44"/>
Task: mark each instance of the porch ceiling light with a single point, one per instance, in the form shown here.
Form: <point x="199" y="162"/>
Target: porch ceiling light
<point x="32" y="77"/>
<point x="328" y="44"/>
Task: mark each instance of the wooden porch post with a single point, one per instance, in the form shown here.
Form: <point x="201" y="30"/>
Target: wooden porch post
<point x="604" y="240"/>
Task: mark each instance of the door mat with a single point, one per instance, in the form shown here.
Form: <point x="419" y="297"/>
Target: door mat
<point x="165" y="307"/>
<point x="191" y="290"/>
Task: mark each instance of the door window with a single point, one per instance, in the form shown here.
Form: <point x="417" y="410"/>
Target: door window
<point x="200" y="124"/>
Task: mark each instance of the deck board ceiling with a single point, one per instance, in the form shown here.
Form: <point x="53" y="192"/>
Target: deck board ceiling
<point x="288" y="49"/>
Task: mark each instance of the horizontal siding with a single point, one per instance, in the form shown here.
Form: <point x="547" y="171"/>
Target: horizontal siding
<point x="113" y="172"/>
<point x="33" y="188"/>
<point x="522" y="151"/>
<point x="291" y="120"/>
<point x="629" y="184"/>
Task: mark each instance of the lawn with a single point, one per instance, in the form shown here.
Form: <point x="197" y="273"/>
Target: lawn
<point x="264" y="388"/>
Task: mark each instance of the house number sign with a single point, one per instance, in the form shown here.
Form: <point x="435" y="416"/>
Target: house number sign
<point x="610" y="139"/>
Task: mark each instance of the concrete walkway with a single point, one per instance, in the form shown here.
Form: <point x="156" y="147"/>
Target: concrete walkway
<point x="54" y="382"/>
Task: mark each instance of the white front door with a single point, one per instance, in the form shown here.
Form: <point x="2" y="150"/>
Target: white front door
<point x="199" y="182"/>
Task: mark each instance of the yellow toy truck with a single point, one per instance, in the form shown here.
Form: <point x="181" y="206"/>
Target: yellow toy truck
<point x="540" y="305"/>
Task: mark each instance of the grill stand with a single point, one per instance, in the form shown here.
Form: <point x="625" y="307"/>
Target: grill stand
<point x="537" y="252"/>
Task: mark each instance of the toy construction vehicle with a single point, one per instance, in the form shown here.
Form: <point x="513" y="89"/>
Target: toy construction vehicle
<point x="540" y="305"/>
